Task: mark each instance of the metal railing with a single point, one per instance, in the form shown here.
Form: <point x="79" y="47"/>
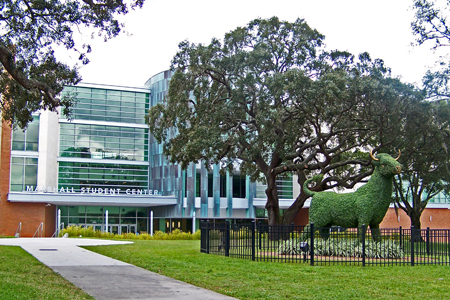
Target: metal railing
<point x="58" y="230"/>
<point x="39" y="230"/>
<point x="18" y="230"/>
<point x="326" y="246"/>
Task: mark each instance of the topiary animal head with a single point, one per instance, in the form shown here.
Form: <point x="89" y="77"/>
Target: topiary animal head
<point x="386" y="165"/>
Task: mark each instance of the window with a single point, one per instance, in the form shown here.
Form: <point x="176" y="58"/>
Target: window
<point x="104" y="142"/>
<point x="94" y="175"/>
<point x="23" y="173"/>
<point x="27" y="140"/>
<point x="109" y="105"/>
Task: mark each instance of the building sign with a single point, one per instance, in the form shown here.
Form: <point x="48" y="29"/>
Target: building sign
<point x="93" y="191"/>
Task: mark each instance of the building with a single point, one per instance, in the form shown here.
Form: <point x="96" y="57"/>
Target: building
<point x="103" y="169"/>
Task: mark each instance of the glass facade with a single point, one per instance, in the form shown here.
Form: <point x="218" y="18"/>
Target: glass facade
<point x="109" y="104"/>
<point x="27" y="140"/>
<point x="24" y="165"/>
<point x="103" y="142"/>
<point x="164" y="176"/>
<point x="120" y="219"/>
<point x="102" y="175"/>
<point x="108" y="124"/>
<point x="284" y="187"/>
<point x="23" y="173"/>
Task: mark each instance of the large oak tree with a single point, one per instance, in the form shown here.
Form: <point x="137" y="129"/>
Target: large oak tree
<point x="272" y="101"/>
<point x="31" y="77"/>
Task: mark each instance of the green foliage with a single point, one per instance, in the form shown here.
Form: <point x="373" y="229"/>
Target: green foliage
<point x="176" y="234"/>
<point x="31" y="77"/>
<point x="426" y="159"/>
<point x="290" y="247"/>
<point x="366" y="206"/>
<point x="270" y="99"/>
<point x="430" y="26"/>
<point x="345" y="248"/>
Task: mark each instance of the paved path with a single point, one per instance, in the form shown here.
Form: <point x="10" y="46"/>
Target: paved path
<point x="103" y="277"/>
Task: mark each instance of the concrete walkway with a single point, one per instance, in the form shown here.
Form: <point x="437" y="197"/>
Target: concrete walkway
<point x="103" y="277"/>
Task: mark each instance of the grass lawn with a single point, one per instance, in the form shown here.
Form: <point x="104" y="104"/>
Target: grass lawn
<point x="245" y="279"/>
<point x="24" y="277"/>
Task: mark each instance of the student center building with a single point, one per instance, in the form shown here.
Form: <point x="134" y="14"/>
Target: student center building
<point x="104" y="169"/>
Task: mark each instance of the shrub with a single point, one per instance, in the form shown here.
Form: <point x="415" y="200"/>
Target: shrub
<point x="345" y="248"/>
<point x="78" y="231"/>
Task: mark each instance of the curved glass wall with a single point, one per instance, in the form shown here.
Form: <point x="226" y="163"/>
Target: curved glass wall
<point x="96" y="175"/>
<point x="103" y="142"/>
<point x="164" y="176"/>
<point x="109" y="105"/>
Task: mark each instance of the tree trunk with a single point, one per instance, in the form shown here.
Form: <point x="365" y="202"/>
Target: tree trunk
<point x="415" y="219"/>
<point x="272" y="205"/>
<point x="292" y="212"/>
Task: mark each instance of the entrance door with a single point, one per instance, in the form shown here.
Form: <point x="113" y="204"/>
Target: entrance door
<point x="114" y="229"/>
<point x="127" y="228"/>
<point x="123" y="229"/>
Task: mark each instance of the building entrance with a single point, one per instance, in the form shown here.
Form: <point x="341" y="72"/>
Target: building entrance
<point x="120" y="219"/>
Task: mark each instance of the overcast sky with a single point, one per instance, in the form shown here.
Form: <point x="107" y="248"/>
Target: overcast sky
<point x="381" y="28"/>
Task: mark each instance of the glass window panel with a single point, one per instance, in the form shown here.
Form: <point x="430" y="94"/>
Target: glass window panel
<point x="77" y="220"/>
<point x="16" y="188"/>
<point x="64" y="210"/>
<point x="77" y="210"/>
<point x="17" y="160"/>
<point x="17" y="174"/>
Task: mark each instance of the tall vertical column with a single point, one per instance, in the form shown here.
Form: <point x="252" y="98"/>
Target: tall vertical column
<point x="203" y="191"/>
<point x="216" y="191"/>
<point x="250" y="192"/>
<point x="229" y="195"/>
<point x="48" y="149"/>
<point x="190" y="190"/>
<point x="179" y="191"/>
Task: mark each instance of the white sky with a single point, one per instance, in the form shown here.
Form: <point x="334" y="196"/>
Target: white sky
<point x="381" y="28"/>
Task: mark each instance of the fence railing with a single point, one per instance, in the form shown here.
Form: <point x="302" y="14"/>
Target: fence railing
<point x="319" y="246"/>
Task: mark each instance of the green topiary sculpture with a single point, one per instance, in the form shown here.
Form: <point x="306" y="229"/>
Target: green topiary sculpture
<point x="367" y="205"/>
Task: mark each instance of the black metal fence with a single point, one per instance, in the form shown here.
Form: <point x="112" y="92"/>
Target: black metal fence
<point x="319" y="246"/>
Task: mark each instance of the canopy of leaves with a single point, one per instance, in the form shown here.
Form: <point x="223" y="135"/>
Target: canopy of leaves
<point x="271" y="96"/>
<point x="430" y="26"/>
<point x="271" y="100"/>
<point x="31" y="77"/>
<point x="425" y="158"/>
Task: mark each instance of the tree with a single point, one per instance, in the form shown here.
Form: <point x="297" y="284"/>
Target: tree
<point x="271" y="100"/>
<point x="425" y="159"/>
<point x="31" y="76"/>
<point x="426" y="141"/>
<point x="430" y="26"/>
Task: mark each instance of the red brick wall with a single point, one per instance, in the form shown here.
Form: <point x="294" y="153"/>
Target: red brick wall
<point x="30" y="214"/>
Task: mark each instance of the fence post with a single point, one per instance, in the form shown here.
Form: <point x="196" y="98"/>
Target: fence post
<point x="363" y="235"/>
<point x="427" y="236"/>
<point x="311" y="228"/>
<point x="400" y="236"/>
<point x="448" y="244"/>
<point x="253" y="239"/>
<point x="412" y="245"/>
<point x="227" y="238"/>
<point x="207" y="237"/>
<point x="260" y="237"/>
